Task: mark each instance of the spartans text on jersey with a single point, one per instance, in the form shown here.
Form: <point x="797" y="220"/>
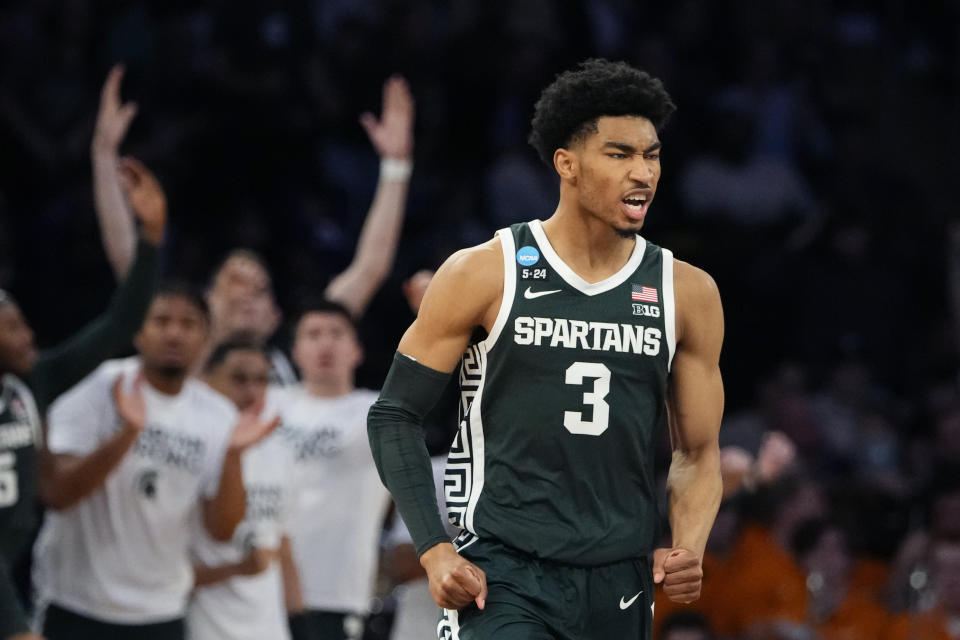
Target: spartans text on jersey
<point x="580" y="334"/>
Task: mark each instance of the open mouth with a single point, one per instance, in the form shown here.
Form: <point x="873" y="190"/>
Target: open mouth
<point x="636" y="205"/>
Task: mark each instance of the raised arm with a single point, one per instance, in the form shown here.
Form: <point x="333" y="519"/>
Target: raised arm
<point x="695" y="403"/>
<point x="392" y="137"/>
<point x="428" y="352"/>
<point x="61" y="367"/>
<point x="117" y="229"/>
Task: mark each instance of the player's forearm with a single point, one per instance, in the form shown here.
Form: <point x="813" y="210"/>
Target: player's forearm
<point x="226" y="509"/>
<point x="695" y="487"/>
<point x="376" y="247"/>
<point x="117" y="229"/>
<point x="65" y="480"/>
<point x="399" y="450"/>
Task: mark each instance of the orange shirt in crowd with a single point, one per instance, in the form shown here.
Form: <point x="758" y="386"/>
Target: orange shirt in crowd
<point x="919" y="626"/>
<point x="858" y="617"/>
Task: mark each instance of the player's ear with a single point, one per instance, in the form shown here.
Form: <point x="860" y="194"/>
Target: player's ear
<point x="566" y="163"/>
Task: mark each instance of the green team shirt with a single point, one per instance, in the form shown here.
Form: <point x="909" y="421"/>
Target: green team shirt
<point x="561" y="403"/>
<point x="24" y="402"/>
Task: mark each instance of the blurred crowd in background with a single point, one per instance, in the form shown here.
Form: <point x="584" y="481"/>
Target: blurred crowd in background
<point x="809" y="169"/>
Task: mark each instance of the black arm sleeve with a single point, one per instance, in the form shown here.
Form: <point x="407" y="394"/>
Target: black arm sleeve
<point x="396" y="439"/>
<point x="61" y="367"/>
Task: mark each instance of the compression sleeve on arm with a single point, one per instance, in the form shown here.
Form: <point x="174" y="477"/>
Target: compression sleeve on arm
<point x="396" y="439"/>
<point x="61" y="367"/>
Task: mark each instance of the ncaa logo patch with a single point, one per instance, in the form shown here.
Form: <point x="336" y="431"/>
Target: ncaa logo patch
<point x="528" y="255"/>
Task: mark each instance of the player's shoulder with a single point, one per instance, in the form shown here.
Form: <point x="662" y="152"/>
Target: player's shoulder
<point x="469" y="279"/>
<point x="476" y="262"/>
<point x="107" y="373"/>
<point x="693" y="284"/>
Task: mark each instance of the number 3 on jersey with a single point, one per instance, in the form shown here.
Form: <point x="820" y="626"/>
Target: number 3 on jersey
<point x="9" y="489"/>
<point x="573" y="420"/>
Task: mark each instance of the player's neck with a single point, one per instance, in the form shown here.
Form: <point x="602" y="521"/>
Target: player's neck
<point x="165" y="382"/>
<point x="587" y="244"/>
<point x="322" y="388"/>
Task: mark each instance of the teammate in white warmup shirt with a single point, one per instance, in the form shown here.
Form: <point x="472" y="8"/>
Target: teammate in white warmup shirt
<point x="135" y="450"/>
<point x="336" y="529"/>
<point x="239" y="592"/>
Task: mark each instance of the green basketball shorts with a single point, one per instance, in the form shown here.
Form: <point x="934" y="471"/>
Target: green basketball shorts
<point x="532" y="599"/>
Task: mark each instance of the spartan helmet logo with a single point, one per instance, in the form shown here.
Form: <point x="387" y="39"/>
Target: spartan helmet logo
<point x="147" y="484"/>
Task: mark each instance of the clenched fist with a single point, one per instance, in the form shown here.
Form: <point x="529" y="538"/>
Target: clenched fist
<point x="455" y="582"/>
<point x="680" y="573"/>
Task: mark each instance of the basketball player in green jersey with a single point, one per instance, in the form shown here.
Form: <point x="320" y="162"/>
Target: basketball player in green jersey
<point x="579" y="339"/>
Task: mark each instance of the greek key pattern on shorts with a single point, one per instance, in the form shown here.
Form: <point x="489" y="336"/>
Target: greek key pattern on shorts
<point x="458" y="473"/>
<point x="448" y="627"/>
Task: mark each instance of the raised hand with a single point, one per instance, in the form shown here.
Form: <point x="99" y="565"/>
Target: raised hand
<point x="392" y="134"/>
<point x="680" y="573"/>
<point x="114" y="117"/>
<point x="251" y="429"/>
<point x="146" y="197"/>
<point x="130" y="406"/>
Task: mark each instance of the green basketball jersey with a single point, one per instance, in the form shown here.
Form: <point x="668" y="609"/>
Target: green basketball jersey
<point x="561" y="402"/>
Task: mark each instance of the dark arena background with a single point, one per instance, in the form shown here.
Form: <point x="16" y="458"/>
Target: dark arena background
<point x="811" y="168"/>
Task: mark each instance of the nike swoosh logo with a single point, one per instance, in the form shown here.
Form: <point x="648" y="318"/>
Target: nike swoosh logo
<point x="530" y="295"/>
<point x="625" y="604"/>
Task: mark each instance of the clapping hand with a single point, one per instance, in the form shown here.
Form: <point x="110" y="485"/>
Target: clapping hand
<point x="251" y="429"/>
<point x="130" y="406"/>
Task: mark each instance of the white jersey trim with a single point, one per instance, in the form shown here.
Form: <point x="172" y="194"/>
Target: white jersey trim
<point x="669" y="306"/>
<point x="476" y="443"/>
<point x="509" y="286"/>
<point x="575" y="281"/>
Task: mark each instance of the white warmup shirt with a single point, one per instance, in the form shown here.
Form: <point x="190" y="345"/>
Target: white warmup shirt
<point x="336" y="529"/>
<point x="121" y="554"/>
<point x="248" y="607"/>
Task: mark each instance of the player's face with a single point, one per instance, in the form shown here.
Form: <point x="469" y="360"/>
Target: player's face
<point x="243" y="377"/>
<point x="326" y="348"/>
<point x="241" y="300"/>
<point x="17" y="350"/>
<point x="618" y="171"/>
<point x="173" y="335"/>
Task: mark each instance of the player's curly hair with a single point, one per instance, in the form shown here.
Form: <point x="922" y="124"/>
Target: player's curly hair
<point x="568" y="109"/>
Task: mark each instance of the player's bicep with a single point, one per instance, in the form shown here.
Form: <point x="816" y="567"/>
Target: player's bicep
<point x="696" y="389"/>
<point x="461" y="296"/>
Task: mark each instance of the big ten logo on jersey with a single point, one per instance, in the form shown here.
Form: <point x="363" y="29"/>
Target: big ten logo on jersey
<point x="649" y="310"/>
<point x="534" y="274"/>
